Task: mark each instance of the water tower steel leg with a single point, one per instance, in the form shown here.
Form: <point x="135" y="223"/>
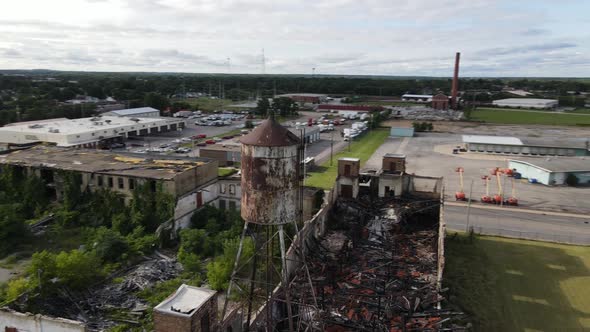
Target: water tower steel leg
<point x="285" y="281"/>
<point x="234" y="270"/>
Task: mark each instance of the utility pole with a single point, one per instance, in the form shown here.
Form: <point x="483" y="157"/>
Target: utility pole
<point x="331" y="147"/>
<point x="469" y="206"/>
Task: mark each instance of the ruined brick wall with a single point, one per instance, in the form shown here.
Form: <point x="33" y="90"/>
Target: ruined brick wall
<point x="167" y="322"/>
<point x="37" y="323"/>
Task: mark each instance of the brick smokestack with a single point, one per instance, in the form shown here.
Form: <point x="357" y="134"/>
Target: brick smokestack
<point x="455" y="87"/>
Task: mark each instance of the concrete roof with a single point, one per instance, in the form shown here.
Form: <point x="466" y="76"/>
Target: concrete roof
<point x="526" y="101"/>
<point x="83" y="125"/>
<point x="394" y="155"/>
<point x="186" y="300"/>
<point x="133" y="111"/>
<point x="558" y="164"/>
<point x="349" y="159"/>
<point x="481" y="139"/>
<point x="409" y="95"/>
<point x="101" y="162"/>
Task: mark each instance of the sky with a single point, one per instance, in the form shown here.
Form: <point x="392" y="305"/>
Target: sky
<point x="540" y="38"/>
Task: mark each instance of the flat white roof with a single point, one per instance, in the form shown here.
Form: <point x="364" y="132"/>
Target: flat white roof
<point x="557" y="164"/>
<point x="186" y="300"/>
<point x="416" y="96"/>
<point x="349" y="159"/>
<point x="132" y="111"/>
<point x="83" y="125"/>
<point x="525" y="101"/>
<point x="481" y="139"/>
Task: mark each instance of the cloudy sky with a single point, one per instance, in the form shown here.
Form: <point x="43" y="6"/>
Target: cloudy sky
<point x="377" y="37"/>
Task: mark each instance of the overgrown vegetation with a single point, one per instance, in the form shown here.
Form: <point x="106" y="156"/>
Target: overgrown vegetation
<point x="93" y="233"/>
<point x="422" y="126"/>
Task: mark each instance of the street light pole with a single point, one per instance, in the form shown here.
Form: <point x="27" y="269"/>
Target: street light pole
<point x="469" y="206"/>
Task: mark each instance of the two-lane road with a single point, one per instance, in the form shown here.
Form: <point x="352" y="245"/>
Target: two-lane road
<point x="552" y="226"/>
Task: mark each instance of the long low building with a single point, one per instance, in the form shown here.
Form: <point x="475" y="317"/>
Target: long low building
<point x="140" y="112"/>
<point x="306" y="98"/>
<point x="553" y="171"/>
<point x="528" y="147"/>
<point x="84" y="132"/>
<point x="526" y="103"/>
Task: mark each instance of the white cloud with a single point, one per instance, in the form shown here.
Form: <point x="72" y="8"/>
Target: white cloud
<point x="382" y="37"/>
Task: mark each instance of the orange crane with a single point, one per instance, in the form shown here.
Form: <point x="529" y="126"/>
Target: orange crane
<point x="512" y="200"/>
<point x="460" y="195"/>
<point x="486" y="198"/>
<point x="498" y="197"/>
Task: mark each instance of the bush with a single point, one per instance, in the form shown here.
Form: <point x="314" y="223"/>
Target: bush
<point x="16" y="287"/>
<point x="109" y="245"/>
<point x="219" y="270"/>
<point x="74" y="269"/>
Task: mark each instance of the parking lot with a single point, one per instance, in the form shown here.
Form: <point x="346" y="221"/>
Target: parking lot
<point x="430" y="154"/>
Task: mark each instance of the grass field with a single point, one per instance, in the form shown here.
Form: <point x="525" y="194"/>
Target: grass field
<point x="325" y="176"/>
<point x="492" y="115"/>
<point x="518" y="285"/>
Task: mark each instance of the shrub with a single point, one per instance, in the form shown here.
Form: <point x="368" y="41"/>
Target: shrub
<point x="219" y="270"/>
<point x="16" y="287"/>
<point x="109" y="245"/>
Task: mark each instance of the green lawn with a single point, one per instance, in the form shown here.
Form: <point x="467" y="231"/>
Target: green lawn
<point x="226" y="171"/>
<point x="518" y="285"/>
<point x="492" y="115"/>
<point x="362" y="148"/>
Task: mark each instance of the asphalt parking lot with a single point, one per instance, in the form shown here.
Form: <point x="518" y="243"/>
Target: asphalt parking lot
<point x="427" y="155"/>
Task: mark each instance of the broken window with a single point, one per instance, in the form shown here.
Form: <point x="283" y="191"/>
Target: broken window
<point x="121" y="183"/>
<point x="131" y="184"/>
<point x="99" y="181"/>
<point x="232" y="189"/>
<point x="222" y="188"/>
<point x="110" y="180"/>
<point x="232" y="205"/>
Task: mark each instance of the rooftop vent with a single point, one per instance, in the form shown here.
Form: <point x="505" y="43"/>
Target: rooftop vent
<point x="35" y="126"/>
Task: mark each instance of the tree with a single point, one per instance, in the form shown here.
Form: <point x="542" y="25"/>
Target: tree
<point x="109" y="245"/>
<point x="219" y="270"/>
<point x="248" y="124"/>
<point x="284" y="106"/>
<point x="77" y="269"/>
<point x="12" y="227"/>
<point x="156" y="101"/>
<point x="262" y="107"/>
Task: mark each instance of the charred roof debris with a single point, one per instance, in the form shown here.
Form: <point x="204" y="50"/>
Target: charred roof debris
<point x="378" y="268"/>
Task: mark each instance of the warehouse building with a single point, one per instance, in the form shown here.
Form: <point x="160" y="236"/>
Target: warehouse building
<point x="553" y="171"/>
<point x="226" y="155"/>
<point x="310" y="134"/>
<point x="306" y="98"/>
<point x="348" y="110"/>
<point x="417" y="98"/>
<point x="84" y="132"/>
<point x="526" y="103"/>
<point x="527" y="147"/>
<point x="141" y="112"/>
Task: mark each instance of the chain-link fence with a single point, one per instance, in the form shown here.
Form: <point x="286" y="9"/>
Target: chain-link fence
<point x="562" y="237"/>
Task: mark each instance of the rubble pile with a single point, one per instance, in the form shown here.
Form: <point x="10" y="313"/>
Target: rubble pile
<point x="380" y="274"/>
<point x="424" y="113"/>
<point x="107" y="304"/>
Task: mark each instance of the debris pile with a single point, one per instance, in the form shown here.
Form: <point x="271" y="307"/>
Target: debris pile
<point x="379" y="273"/>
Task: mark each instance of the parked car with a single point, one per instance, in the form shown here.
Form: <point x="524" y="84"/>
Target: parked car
<point x="201" y="136"/>
<point x="202" y="144"/>
<point x="217" y="139"/>
<point x="210" y="141"/>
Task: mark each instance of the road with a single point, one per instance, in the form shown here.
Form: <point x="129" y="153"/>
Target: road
<point x="559" y="227"/>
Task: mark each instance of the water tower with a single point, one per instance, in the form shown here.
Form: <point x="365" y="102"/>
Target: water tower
<point x="271" y="196"/>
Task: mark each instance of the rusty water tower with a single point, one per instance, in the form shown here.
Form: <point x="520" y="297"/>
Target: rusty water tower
<point x="271" y="197"/>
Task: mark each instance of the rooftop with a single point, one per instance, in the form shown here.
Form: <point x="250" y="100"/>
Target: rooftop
<point x="558" y="164"/>
<point x="133" y="111"/>
<point x="186" y="300"/>
<point x="270" y="133"/>
<point x="409" y="95"/>
<point x="302" y="94"/>
<point x="82" y="125"/>
<point x="349" y="159"/>
<point x="394" y="155"/>
<point x="101" y="162"/>
<point x="348" y="107"/>
<point x="530" y="101"/>
<point x="481" y="139"/>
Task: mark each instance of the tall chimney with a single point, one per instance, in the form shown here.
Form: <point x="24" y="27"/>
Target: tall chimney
<point x="455" y="82"/>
